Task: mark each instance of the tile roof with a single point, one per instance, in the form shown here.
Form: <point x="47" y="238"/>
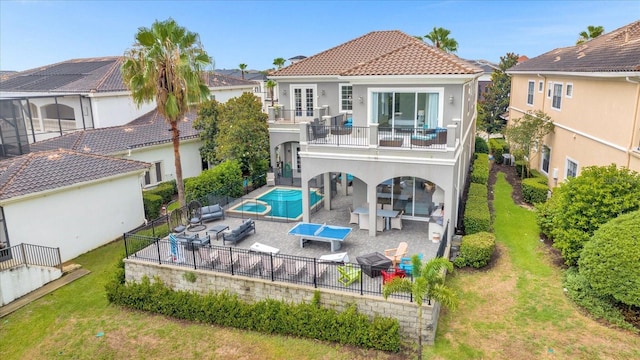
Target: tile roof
<point x="84" y="76"/>
<point x="48" y="170"/>
<point x="380" y="53"/>
<point x="616" y="51"/>
<point x="148" y="129"/>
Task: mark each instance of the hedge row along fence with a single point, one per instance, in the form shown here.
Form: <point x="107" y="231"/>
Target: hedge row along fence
<point x="497" y="147"/>
<point x="308" y="320"/>
<point x="476" y="213"/>
<point x="535" y="186"/>
<point x="476" y="250"/>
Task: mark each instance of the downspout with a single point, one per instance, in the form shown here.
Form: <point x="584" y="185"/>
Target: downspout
<point x="635" y="119"/>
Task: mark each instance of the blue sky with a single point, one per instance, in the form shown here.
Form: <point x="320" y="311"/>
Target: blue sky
<point x="36" y="33"/>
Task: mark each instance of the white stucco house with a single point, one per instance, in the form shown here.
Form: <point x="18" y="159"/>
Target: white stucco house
<point x="72" y="200"/>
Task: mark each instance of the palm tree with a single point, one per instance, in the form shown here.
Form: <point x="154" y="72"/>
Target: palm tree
<point x="166" y="64"/>
<point x="242" y="68"/>
<point x="439" y="37"/>
<point x="279" y="62"/>
<point x="428" y="284"/>
<point x="591" y="33"/>
<point x="270" y="84"/>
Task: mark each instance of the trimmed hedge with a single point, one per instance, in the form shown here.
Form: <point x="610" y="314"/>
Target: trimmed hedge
<point x="476" y="250"/>
<point x="533" y="191"/>
<point x="498" y="147"/>
<point x="481" y="146"/>
<point x="308" y="320"/>
<point x="480" y="173"/>
<point x="478" y="191"/>
<point x="476" y="216"/>
<point x="152" y="205"/>
<point x="165" y="190"/>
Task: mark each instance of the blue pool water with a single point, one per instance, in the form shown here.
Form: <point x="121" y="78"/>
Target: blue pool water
<point x="251" y="207"/>
<point x="287" y="203"/>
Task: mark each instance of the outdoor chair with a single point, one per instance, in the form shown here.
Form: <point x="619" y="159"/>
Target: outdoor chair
<point x="396" y="254"/>
<point x="349" y="273"/>
<point x="363" y="221"/>
<point x="195" y="216"/>
<point x="248" y="262"/>
<point x="387" y="207"/>
<point x="354" y="217"/>
<point x="271" y="264"/>
<point x="271" y="179"/>
<point x="177" y="221"/>
<point x="379" y="223"/>
<point x="396" y="222"/>
<point x="406" y="265"/>
<point x="293" y="268"/>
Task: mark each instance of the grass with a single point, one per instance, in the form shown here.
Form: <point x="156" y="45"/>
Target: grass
<point x="514" y="310"/>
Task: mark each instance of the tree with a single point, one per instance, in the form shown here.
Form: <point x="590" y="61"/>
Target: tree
<point x="428" y="284"/>
<point x="496" y="99"/>
<point x="279" y="62"/>
<point x="243" y="134"/>
<point x="439" y="37"/>
<point x="165" y="64"/>
<point x="609" y="261"/>
<point x="207" y="123"/>
<point x="598" y="195"/>
<point x="242" y="67"/>
<point x="525" y="132"/>
<point x="591" y="33"/>
<point x="270" y="84"/>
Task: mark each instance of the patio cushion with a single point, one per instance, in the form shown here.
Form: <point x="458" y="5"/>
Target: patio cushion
<point x="423" y="137"/>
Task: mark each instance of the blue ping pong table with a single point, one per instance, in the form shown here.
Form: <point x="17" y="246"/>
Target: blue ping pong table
<point x="320" y="232"/>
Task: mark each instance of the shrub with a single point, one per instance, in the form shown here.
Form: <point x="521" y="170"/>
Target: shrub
<point x="478" y="192"/>
<point x="610" y="259"/>
<point x="224" y="179"/>
<point x="533" y="191"/>
<point x="152" y="204"/>
<point x="600" y="307"/>
<point x="481" y="146"/>
<point x="498" y="147"/>
<point x="535" y="174"/>
<point x="476" y="250"/>
<point x="547" y="211"/>
<point x="599" y="194"/>
<point x="476" y="216"/>
<point x="522" y="166"/>
<point x="480" y="173"/>
<point x="268" y="316"/>
<point x="165" y="190"/>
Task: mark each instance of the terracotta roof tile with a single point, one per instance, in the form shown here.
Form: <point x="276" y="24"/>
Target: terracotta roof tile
<point x="380" y="53"/>
<point x="616" y="51"/>
<point x="48" y="170"/>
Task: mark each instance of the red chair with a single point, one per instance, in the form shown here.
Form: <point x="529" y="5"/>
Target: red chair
<point x="390" y="275"/>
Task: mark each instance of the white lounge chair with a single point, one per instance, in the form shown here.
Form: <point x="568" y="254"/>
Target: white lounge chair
<point x="271" y="179"/>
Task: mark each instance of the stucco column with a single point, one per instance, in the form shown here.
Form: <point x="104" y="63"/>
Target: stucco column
<point x="372" y="198"/>
<point x="306" y="216"/>
<point x="344" y="184"/>
<point x="327" y="191"/>
<point x="451" y="135"/>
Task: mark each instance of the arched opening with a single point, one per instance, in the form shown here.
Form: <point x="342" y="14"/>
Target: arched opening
<point x="55" y="111"/>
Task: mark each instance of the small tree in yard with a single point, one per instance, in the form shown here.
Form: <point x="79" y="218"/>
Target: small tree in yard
<point x="610" y="261"/>
<point x="428" y="284"/>
<point x="207" y="123"/>
<point x="523" y="133"/>
<point x="496" y="99"/>
<point x="598" y="195"/>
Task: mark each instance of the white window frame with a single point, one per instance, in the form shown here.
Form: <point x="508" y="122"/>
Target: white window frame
<point x="566" y="167"/>
<point x="438" y="90"/>
<point x="541" y="86"/>
<point x="557" y="95"/>
<point x="568" y="92"/>
<point x="340" y="99"/>
<point x="531" y="89"/>
<point x="549" y="89"/>
<point x="542" y="159"/>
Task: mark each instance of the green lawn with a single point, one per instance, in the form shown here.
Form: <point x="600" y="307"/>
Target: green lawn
<point x="514" y="310"/>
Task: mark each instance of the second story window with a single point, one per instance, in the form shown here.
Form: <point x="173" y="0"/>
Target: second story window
<point x="569" y="90"/>
<point x="530" y="90"/>
<point x="557" y="96"/>
<point x="346" y="97"/>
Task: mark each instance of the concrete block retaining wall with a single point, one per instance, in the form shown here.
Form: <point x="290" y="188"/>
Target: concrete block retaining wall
<point x="253" y="289"/>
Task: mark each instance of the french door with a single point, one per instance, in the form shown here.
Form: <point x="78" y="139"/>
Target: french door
<point x="304" y="102"/>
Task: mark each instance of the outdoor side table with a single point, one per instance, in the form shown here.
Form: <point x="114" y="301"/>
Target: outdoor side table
<point x="372" y="264"/>
<point x="218" y="229"/>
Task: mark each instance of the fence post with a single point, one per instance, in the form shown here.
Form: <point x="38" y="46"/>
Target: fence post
<point x="361" y="292"/>
<point x="315" y="273"/>
<point x="272" y="272"/>
<point x="59" y="258"/>
<point x="231" y="257"/>
<point x="193" y="251"/>
<point x="126" y="248"/>
<point x="24" y="254"/>
<point x="157" y="241"/>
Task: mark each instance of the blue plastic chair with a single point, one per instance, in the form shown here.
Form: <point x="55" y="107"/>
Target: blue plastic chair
<point x="405" y="264"/>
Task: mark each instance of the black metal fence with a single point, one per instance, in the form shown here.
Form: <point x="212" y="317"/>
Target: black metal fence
<point x="358" y="136"/>
<point x="312" y="272"/>
<point x="28" y="254"/>
<point x="444" y="241"/>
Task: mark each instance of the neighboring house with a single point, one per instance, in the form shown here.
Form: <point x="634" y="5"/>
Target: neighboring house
<point x="413" y="118"/>
<point x="591" y="92"/>
<point x="258" y="78"/>
<point x="77" y="94"/>
<point x="485" y="80"/>
<point x="144" y="139"/>
<point x="72" y="200"/>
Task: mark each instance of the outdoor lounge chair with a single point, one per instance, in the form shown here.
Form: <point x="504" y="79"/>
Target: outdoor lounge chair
<point x="349" y="273"/>
<point x="271" y="264"/>
<point x="248" y="262"/>
<point x="293" y="268"/>
<point x="396" y="254"/>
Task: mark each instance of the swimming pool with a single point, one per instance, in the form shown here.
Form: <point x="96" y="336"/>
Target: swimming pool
<point x="279" y="202"/>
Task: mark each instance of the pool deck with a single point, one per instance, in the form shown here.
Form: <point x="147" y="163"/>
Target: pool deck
<point x="357" y="243"/>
